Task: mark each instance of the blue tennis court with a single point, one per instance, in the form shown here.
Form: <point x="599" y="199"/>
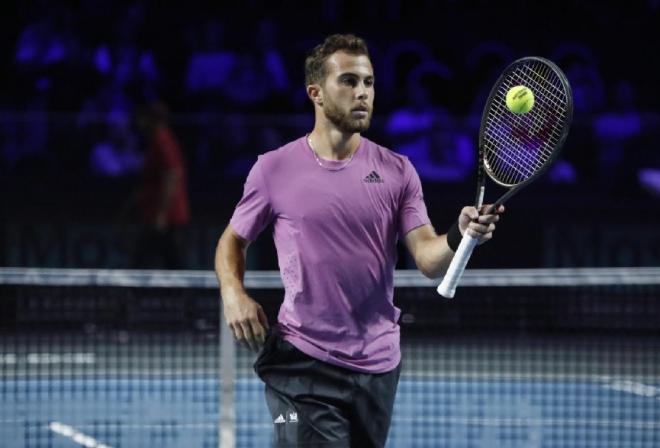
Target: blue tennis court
<point x="140" y="360"/>
<point x="147" y="412"/>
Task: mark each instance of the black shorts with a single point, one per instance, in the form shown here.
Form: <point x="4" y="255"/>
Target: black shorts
<point x="316" y="404"/>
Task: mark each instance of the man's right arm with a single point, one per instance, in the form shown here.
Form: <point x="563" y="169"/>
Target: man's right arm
<point x="244" y="315"/>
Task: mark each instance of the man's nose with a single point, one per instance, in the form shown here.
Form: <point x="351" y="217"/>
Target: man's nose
<point x="361" y="91"/>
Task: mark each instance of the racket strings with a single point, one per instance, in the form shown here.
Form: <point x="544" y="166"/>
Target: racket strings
<point x="523" y="163"/>
<point x="510" y="159"/>
<point x="517" y="146"/>
<point x="507" y="166"/>
<point x="503" y="165"/>
<point x="513" y="161"/>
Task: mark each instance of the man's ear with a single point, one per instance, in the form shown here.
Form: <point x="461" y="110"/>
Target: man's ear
<point x="315" y="93"/>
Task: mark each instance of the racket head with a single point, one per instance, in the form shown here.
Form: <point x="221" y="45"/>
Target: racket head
<point x="514" y="149"/>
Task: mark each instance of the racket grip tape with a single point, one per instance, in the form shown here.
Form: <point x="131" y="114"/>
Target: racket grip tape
<point x="454" y="273"/>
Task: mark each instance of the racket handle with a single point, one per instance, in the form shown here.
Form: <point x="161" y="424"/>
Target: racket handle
<point x="454" y="273"/>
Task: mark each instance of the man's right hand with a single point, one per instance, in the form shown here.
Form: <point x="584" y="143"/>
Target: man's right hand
<point x="247" y="320"/>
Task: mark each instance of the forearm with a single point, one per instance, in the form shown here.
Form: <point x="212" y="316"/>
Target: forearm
<point x="434" y="253"/>
<point x="434" y="256"/>
<point x="244" y="316"/>
<point x="230" y="261"/>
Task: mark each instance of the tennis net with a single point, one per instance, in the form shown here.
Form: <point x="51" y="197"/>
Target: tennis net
<point x="520" y="358"/>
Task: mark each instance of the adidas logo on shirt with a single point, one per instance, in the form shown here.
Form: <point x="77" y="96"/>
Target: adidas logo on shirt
<point x="279" y="419"/>
<point x="373" y="178"/>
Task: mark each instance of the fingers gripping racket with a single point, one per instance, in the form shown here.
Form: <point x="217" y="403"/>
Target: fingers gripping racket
<point x="521" y="133"/>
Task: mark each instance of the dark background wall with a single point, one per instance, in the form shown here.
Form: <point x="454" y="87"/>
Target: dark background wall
<point x="73" y="74"/>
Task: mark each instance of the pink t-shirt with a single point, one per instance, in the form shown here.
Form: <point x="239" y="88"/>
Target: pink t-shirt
<point x="336" y="234"/>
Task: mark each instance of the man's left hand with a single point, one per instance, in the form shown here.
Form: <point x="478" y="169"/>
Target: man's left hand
<point x="480" y="225"/>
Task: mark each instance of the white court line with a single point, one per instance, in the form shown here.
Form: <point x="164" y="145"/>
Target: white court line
<point x="127" y="426"/>
<point x="459" y="375"/>
<point x="114" y="426"/>
<point x="498" y="422"/>
<point x="634" y="388"/>
<point x="437" y="420"/>
<point x="47" y="358"/>
<point x="76" y="436"/>
<point x="607" y="423"/>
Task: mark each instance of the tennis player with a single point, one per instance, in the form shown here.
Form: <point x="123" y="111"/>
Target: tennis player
<point x="339" y="202"/>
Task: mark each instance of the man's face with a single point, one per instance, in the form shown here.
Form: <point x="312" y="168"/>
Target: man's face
<point x="348" y="91"/>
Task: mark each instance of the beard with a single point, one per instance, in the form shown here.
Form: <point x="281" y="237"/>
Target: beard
<point x="344" y="121"/>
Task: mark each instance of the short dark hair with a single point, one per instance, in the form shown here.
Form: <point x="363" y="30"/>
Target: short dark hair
<point x="315" y="62"/>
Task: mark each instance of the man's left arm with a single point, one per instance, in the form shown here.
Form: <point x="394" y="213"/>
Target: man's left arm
<point x="432" y="253"/>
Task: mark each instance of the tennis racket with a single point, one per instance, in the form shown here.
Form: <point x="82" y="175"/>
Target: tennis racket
<point x="516" y="148"/>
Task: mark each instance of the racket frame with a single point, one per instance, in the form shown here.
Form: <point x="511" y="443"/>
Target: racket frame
<point x="483" y="169"/>
<point x="448" y="286"/>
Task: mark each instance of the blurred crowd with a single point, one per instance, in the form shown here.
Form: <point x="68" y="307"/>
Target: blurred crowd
<point x="232" y="77"/>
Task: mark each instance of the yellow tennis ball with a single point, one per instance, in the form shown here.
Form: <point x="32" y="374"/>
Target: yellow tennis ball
<point x="519" y="99"/>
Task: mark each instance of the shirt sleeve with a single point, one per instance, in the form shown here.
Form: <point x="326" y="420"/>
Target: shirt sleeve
<point x="253" y="212"/>
<point x="412" y="212"/>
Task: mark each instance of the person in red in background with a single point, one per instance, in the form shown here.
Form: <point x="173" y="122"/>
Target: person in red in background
<point x="162" y="197"/>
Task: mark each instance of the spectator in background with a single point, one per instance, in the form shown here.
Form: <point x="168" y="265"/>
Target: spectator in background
<point x="162" y="197"/>
<point x="46" y="54"/>
<point x="122" y="61"/>
<point x="115" y="152"/>
<point x="484" y="64"/>
<point x="581" y="68"/>
<point x="209" y="66"/>
<point x="399" y="60"/>
<point x="206" y="75"/>
<point x="259" y="75"/>
<point x="618" y="133"/>
<point x="104" y="127"/>
<point x="426" y="132"/>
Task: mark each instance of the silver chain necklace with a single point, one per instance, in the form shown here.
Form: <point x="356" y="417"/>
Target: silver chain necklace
<point x="318" y="160"/>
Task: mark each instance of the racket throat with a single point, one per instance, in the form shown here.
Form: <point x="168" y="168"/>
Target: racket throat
<point x="480" y="197"/>
<point x="506" y="196"/>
